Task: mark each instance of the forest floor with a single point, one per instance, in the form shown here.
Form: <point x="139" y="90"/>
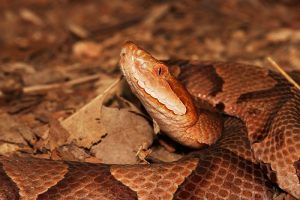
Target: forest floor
<point x="58" y="56"/>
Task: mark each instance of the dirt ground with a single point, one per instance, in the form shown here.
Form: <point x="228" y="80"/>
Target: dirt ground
<point x="60" y="92"/>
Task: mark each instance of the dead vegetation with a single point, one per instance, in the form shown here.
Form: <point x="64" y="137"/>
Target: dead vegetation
<point x="60" y="91"/>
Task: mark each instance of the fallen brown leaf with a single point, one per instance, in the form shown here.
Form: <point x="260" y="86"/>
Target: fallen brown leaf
<point x="7" y="148"/>
<point x="87" y="49"/>
<point x="84" y="126"/>
<point x="57" y="134"/>
<point x="160" y="153"/>
<point x="70" y="152"/>
<point x="14" y="135"/>
<point x="126" y="132"/>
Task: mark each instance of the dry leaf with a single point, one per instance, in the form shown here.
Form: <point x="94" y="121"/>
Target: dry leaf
<point x="87" y="49"/>
<point x="13" y="135"/>
<point x="84" y="126"/>
<point x="103" y="83"/>
<point x="7" y="148"/>
<point x="125" y="133"/>
<point x="70" y="152"/>
<point x="57" y="134"/>
<point x="160" y="153"/>
<point x="9" y="129"/>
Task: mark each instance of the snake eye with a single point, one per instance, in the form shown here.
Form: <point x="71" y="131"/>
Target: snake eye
<point x="161" y="70"/>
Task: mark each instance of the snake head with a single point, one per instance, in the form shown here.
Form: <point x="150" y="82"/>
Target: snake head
<point x="151" y="80"/>
<point x="165" y="98"/>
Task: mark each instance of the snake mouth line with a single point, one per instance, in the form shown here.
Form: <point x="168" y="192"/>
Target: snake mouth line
<point x="153" y="99"/>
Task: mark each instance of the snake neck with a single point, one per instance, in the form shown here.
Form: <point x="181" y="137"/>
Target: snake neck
<point x="206" y="130"/>
<point x="198" y="127"/>
<point x="167" y="100"/>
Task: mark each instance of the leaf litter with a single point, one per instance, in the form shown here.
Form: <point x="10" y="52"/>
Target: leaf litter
<point x="54" y="73"/>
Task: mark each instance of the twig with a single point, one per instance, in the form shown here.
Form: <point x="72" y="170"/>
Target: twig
<point x="47" y="87"/>
<point x="42" y="88"/>
<point x="288" y="77"/>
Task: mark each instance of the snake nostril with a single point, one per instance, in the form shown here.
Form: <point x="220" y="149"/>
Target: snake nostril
<point x="123" y="52"/>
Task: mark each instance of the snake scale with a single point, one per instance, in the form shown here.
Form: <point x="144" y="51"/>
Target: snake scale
<point x="244" y="119"/>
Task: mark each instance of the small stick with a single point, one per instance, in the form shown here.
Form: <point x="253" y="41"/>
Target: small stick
<point x="288" y="77"/>
<point x="42" y="88"/>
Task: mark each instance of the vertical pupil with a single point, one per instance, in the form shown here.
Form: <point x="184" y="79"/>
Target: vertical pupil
<point x="159" y="71"/>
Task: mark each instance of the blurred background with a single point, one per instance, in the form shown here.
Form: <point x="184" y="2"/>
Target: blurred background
<point x="44" y="32"/>
<point x="55" y="56"/>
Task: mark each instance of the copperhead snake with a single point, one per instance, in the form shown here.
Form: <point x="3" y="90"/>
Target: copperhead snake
<point x="244" y="119"/>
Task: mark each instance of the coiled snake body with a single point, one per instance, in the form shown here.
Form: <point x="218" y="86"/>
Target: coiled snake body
<point x="254" y="146"/>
